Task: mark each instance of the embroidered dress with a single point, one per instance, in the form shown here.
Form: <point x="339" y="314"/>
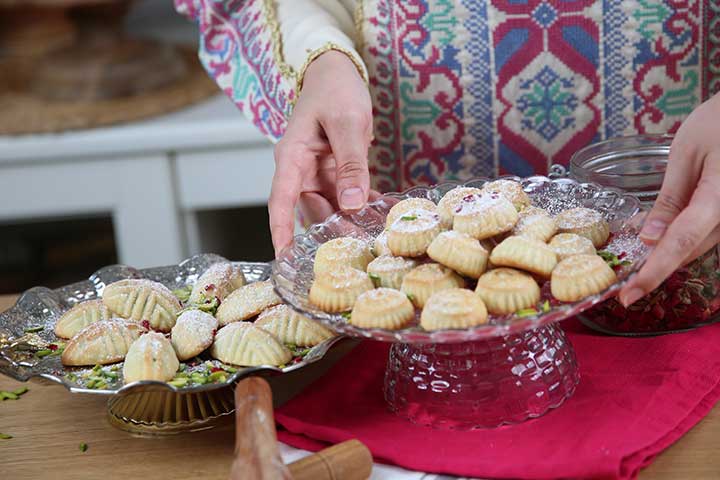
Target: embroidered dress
<point x="465" y="88"/>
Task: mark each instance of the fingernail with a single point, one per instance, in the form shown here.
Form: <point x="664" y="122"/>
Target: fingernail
<point x="631" y="297"/>
<point x="352" y="199"/>
<point x="653" y="229"/>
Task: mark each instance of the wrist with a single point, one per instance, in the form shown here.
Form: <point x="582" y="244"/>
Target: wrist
<point x="330" y="61"/>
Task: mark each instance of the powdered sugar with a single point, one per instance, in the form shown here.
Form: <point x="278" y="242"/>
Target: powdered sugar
<point x="417" y="220"/>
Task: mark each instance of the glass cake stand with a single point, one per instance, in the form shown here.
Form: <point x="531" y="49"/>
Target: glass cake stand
<point x="505" y="372"/>
<point x="145" y="407"/>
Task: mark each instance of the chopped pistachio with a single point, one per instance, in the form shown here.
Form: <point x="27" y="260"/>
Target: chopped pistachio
<point x="5" y="436"/>
<point x="408" y="218"/>
<point x="546" y="306"/>
<point x="346" y="315"/>
<point x="374" y="277"/>
<point x="39" y="328"/>
<point x="8" y="396"/>
<point x="83" y="447"/>
<point x="291" y="346"/>
<point x="229" y="369"/>
<point x="183" y="294"/>
<point x="20" y="390"/>
<point x="411" y="297"/>
<point x="526" y="312"/>
<point x="304" y="352"/>
<point x="43" y="353"/>
<point x="217" y="377"/>
<point x="179" y="382"/>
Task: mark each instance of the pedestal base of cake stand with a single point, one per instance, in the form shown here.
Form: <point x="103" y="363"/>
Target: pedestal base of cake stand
<point x="481" y="384"/>
<point x="163" y="412"/>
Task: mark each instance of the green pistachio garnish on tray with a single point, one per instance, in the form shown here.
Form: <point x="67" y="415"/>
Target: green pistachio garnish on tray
<point x="612" y="260"/>
<point x="98" y="378"/>
<point x="526" y="312"/>
<point x="83" y="447"/>
<point x="53" y="349"/>
<point x="183" y="294"/>
<point x="210" y="305"/>
<point x="5" y="436"/>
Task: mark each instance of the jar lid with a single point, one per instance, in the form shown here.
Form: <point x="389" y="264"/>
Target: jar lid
<point x="635" y="164"/>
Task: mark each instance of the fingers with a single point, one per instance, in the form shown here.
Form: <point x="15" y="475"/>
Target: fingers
<point x="674" y="195"/>
<point x="711" y="241"/>
<point x="285" y="192"/>
<point x="349" y="135"/>
<point x="685" y="235"/>
<point x="314" y="208"/>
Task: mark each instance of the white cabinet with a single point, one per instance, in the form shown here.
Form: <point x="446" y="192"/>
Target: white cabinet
<point x="152" y="177"/>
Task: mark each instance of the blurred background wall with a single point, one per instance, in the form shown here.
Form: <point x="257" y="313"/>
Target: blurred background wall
<point x="116" y="148"/>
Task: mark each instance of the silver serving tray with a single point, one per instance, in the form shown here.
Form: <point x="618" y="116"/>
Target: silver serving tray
<point x="42" y="306"/>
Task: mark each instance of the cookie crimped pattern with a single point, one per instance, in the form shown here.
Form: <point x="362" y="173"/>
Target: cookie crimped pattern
<point x="292" y="271"/>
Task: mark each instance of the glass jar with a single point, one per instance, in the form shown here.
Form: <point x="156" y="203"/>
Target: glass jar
<point x="690" y="297"/>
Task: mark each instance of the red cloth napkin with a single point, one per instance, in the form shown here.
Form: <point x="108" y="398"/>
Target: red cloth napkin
<point x="635" y="398"/>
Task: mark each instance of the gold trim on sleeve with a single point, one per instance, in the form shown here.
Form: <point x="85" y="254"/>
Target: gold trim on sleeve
<point x="272" y="22"/>
<point x="326" y="48"/>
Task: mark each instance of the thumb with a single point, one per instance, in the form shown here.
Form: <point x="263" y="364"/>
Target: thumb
<point x="349" y="137"/>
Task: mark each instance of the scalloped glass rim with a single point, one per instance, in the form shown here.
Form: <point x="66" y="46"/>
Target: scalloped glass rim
<point x="292" y="271"/>
<point x="40" y="306"/>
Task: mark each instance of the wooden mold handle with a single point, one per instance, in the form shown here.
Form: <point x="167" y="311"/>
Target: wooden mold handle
<point x="257" y="454"/>
<point x="350" y="460"/>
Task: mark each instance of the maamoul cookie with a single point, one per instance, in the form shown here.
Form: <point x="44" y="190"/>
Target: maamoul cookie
<point x="342" y="251"/>
<point x="410" y="234"/>
<point x="382" y="308"/>
<point x="453" y="308"/>
<point x="535" y="223"/>
<point x="246" y="302"/>
<point x="193" y="333"/>
<point x="408" y="205"/>
<point x="569" y="244"/>
<point x="150" y="357"/>
<point x="380" y="246"/>
<point x="451" y="201"/>
<point x="80" y="316"/>
<point x="388" y="271"/>
<point x="422" y="281"/>
<point x="505" y="290"/>
<point x="485" y="215"/>
<point x="290" y="327"/>
<point x="578" y="276"/>
<point x="219" y="280"/>
<point x="139" y="300"/>
<point x="246" y="345"/>
<point x="585" y="222"/>
<point x="460" y="252"/>
<point x="526" y="254"/>
<point x="336" y="291"/>
<point x="511" y="190"/>
<point x="101" y="342"/>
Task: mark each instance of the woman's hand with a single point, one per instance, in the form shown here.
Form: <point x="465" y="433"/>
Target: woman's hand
<point x="321" y="161"/>
<point x="685" y="221"/>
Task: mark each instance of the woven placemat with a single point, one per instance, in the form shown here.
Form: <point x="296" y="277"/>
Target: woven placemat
<point x="21" y="113"/>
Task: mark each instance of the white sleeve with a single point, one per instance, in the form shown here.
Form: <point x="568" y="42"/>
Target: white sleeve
<point x="309" y="28"/>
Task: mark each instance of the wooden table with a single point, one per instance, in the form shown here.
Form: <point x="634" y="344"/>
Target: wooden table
<point x="46" y="444"/>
